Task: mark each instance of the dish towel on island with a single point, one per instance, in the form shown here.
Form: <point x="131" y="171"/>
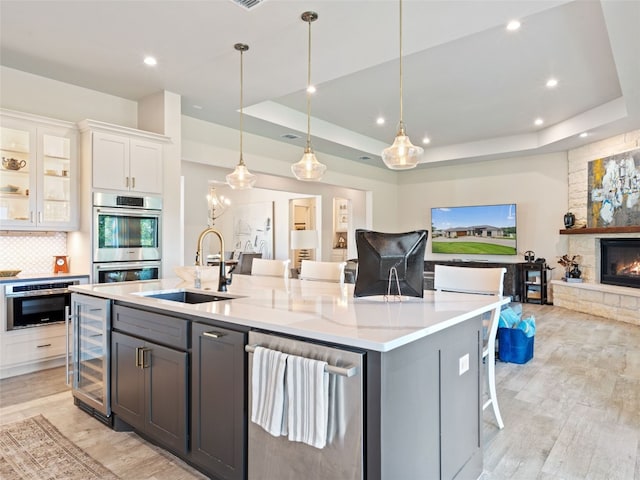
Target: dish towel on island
<point x="267" y="389"/>
<point x="307" y="402"/>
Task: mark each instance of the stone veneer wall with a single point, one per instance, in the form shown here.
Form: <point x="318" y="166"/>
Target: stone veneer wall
<point x="620" y="303"/>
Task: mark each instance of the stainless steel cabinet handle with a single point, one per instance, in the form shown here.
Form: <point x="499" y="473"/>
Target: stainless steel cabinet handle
<point x="144" y="358"/>
<point x="213" y="334"/>
<point x="140" y="357"/>
<point x="126" y="182"/>
<point x="133" y="182"/>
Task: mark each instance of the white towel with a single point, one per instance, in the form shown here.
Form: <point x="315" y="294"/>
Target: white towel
<point x="267" y="389"/>
<point x="307" y="401"/>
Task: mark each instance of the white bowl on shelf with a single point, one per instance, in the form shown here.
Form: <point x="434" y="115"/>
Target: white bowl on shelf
<point x="188" y="273"/>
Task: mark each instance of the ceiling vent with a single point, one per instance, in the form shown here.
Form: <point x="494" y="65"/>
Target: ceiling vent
<point x="290" y="136"/>
<point x="248" y="4"/>
<point x="364" y="158"/>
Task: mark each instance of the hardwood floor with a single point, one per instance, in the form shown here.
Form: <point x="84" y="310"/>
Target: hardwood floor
<point x="572" y="412"/>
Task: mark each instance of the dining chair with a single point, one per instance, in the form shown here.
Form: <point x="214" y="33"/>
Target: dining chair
<point x="323" y="271"/>
<point x="270" y="268"/>
<point x="484" y="281"/>
<point x="245" y="260"/>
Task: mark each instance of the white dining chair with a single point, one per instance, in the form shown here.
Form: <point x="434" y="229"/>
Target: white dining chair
<point x="270" y="268"/>
<point x="323" y="271"/>
<point x="485" y="281"/>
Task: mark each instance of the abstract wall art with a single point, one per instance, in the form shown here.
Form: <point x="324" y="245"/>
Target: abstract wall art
<point x="614" y="191"/>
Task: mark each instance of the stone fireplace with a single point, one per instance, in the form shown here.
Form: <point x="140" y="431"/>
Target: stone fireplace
<point x="620" y="262"/>
<point x="592" y="295"/>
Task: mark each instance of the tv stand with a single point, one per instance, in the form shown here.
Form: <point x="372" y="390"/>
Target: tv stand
<point x="512" y="278"/>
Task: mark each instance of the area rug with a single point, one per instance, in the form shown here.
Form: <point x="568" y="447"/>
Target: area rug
<point x="33" y="449"/>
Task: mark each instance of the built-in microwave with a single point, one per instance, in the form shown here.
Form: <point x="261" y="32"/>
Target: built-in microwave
<point x="126" y="228"/>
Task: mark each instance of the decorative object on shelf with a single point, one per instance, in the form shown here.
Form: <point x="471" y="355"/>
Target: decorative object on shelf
<point x="402" y="154"/>
<point x="571" y="266"/>
<point x="217" y="204"/>
<point x="13" y="163"/>
<point x="61" y="264"/>
<point x="529" y="256"/>
<point x="309" y="168"/>
<point x="241" y="178"/>
<point x="569" y="220"/>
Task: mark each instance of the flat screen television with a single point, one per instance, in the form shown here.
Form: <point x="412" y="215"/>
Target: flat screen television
<point x="379" y="252"/>
<point x="474" y="230"/>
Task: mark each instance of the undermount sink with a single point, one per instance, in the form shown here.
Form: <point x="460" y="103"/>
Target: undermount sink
<point x="184" y="296"/>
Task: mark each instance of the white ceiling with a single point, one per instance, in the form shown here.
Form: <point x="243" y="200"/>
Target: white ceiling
<point x="469" y="85"/>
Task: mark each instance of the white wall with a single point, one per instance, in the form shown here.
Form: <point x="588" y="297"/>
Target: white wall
<point x="29" y="93"/>
<point x="537" y="184"/>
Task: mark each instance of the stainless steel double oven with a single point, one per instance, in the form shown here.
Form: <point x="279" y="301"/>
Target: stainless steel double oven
<point x="127" y="241"/>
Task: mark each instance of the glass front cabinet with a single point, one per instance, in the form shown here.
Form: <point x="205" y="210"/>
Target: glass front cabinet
<point x="38" y="173"/>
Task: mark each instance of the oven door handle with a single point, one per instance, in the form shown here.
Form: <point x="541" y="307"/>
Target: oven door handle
<point x="128" y="212"/>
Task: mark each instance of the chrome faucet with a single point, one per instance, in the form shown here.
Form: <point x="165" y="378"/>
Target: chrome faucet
<point x="222" y="279"/>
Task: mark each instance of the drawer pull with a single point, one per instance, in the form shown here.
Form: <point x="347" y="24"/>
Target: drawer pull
<point x="44" y="345"/>
<point x="213" y="334"/>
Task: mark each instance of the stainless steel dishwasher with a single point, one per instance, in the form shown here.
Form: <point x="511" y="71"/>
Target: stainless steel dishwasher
<point x="271" y="458"/>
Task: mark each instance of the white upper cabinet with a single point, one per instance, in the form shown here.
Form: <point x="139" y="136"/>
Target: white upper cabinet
<point x="38" y="174"/>
<point x="123" y="159"/>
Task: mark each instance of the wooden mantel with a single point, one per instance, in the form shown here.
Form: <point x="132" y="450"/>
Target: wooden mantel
<point x="590" y="231"/>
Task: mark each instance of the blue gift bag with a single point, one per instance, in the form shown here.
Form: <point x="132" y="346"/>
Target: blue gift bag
<point x="514" y="346"/>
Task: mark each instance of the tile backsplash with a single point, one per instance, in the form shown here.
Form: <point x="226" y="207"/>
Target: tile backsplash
<point x="31" y="253"/>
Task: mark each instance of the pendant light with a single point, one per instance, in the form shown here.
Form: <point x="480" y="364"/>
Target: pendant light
<point x="402" y="155"/>
<point x="308" y="168"/>
<point x="241" y="178"/>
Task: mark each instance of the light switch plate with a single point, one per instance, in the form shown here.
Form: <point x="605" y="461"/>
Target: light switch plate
<point x="463" y="364"/>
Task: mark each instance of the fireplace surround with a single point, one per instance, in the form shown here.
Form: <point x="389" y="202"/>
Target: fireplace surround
<point x="620" y="262"/>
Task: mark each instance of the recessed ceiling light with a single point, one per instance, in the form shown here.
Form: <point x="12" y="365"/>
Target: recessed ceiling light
<point x="426" y="140"/>
<point x="552" y="82"/>
<point x="151" y="61"/>
<point x="197" y="107"/>
<point x="311" y="89"/>
<point x="380" y="120"/>
<point x="584" y="135"/>
<point x="538" y="121"/>
<point x="513" y="25"/>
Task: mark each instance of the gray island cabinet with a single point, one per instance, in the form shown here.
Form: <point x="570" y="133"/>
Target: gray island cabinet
<point x="421" y="375"/>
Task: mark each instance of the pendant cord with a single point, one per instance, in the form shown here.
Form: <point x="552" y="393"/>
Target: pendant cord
<point x="308" y="92"/>
<point x="241" y="103"/>
<point x="401" y="122"/>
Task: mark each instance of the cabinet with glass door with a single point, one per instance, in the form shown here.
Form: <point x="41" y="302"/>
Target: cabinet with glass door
<point x="38" y="173"/>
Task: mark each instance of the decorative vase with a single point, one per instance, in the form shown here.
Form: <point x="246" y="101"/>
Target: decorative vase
<point x="569" y="220"/>
<point x="575" y="272"/>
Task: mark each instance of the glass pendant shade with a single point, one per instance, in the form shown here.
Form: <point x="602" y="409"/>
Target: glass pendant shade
<point x="402" y="155"/>
<point x="241" y="178"/>
<point x="308" y="168"/>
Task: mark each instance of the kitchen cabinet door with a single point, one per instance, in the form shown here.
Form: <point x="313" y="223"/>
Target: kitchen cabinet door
<point x="38" y="173"/>
<point x="126" y="163"/>
<point x="219" y="409"/>
<point x="149" y="389"/>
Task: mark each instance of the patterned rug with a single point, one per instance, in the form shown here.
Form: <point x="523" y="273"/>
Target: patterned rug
<point x="34" y="449"/>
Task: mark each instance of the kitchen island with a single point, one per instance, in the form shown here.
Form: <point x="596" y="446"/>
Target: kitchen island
<point x="421" y="377"/>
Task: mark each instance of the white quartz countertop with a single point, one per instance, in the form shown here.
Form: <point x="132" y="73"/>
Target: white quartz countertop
<point x="315" y="310"/>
